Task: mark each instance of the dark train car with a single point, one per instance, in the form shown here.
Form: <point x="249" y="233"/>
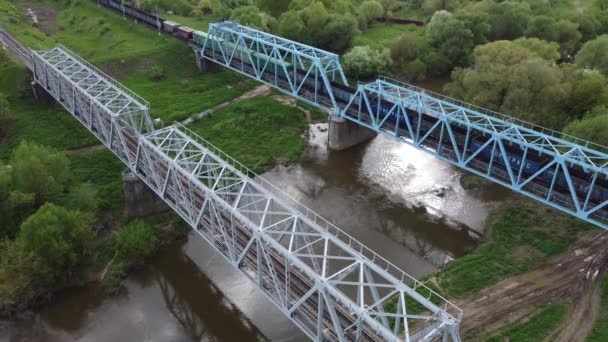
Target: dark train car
<point x="184" y="32"/>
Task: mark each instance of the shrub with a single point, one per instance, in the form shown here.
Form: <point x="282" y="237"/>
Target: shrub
<point x="61" y="238"/>
<point x="365" y="62"/>
<point x="135" y="241"/>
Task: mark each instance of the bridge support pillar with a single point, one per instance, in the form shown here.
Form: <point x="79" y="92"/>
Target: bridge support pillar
<point x="344" y="134"/>
<point x="41" y="95"/>
<point x="201" y="63"/>
<point x="140" y="200"/>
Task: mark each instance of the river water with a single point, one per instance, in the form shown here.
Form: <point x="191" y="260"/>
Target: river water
<point x="397" y="200"/>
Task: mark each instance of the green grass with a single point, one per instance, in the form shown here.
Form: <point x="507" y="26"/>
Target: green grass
<point x="102" y="169"/>
<point x="523" y="234"/>
<point x="183" y="90"/>
<point x="381" y="35"/>
<point x="537" y="328"/>
<point x="12" y="19"/>
<point x="600" y="327"/>
<point x="256" y="132"/>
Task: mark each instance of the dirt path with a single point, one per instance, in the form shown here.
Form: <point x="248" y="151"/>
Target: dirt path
<point x="575" y="275"/>
<point x="262" y="90"/>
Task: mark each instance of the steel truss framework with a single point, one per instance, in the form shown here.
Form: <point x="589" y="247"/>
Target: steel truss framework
<point x="275" y="61"/>
<point x="326" y="282"/>
<point x="447" y="129"/>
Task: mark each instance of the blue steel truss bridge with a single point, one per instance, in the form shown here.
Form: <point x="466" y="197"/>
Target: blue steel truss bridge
<point x="561" y="171"/>
<point x="329" y="284"/>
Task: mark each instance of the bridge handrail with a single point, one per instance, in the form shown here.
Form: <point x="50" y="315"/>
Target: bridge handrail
<point x="108" y="78"/>
<point x="500" y="116"/>
<point x="366" y="252"/>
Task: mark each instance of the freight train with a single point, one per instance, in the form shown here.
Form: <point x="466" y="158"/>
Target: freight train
<point x="534" y="161"/>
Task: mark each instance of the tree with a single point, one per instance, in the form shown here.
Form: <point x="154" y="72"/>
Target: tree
<point x="592" y="128"/>
<point x="451" y="37"/>
<point x="594" y="54"/>
<point x="40" y="171"/>
<point x="365" y="62"/>
<point x="543" y="27"/>
<point x="477" y="22"/>
<point x="19" y="281"/>
<point x="568" y="37"/>
<point x="252" y="17"/>
<point x="415" y="70"/>
<point x="545" y="50"/>
<point x="405" y="48"/>
<point x="510" y="78"/>
<point x="509" y="19"/>
<point x="339" y="33"/>
<point x="83" y="197"/>
<point x="589" y="90"/>
<point x="5" y="114"/>
<point x="135" y="240"/>
<point x="315" y="16"/>
<point x="370" y="10"/>
<point x="292" y="26"/>
<point x="61" y="239"/>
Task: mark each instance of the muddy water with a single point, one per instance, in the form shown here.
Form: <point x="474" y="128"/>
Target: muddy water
<point x="399" y="201"/>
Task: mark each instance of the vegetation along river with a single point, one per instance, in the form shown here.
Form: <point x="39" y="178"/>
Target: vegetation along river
<point x="401" y="202"/>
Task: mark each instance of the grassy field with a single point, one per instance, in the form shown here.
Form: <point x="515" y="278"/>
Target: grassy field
<point x="600" y="327"/>
<point x="381" y="35"/>
<point x="537" y="328"/>
<point x="257" y="132"/>
<point x="523" y="234"/>
<point x="101" y="169"/>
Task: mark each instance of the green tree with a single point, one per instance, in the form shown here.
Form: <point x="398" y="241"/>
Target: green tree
<point x="510" y="78"/>
<point x="5" y="114"/>
<point x="83" y="197"/>
<point x="39" y="170"/>
<point x="594" y="54"/>
<point x="589" y="90"/>
<point x="543" y="27"/>
<point x="339" y="33"/>
<point x="415" y="70"/>
<point x="370" y="10"/>
<point x="135" y="241"/>
<point x="568" y="37"/>
<point x="592" y="127"/>
<point x="365" y="62"/>
<point x="476" y="21"/>
<point x="405" y="48"/>
<point x="451" y="37"/>
<point x="252" y="17"/>
<point x="61" y="238"/>
<point x="292" y="26"/>
<point x="543" y="49"/>
<point x="509" y="19"/>
<point x="315" y="16"/>
<point x="19" y="281"/>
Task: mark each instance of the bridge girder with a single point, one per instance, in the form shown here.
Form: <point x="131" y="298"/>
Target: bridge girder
<point x="449" y="129"/>
<point x="281" y="63"/>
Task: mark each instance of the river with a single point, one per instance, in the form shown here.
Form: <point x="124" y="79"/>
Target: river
<point x="397" y="200"/>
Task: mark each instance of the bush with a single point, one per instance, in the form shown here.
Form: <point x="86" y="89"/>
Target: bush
<point x="83" y="197"/>
<point x="61" y="238"/>
<point x="18" y="276"/>
<point x="39" y="170"/>
<point x="135" y="241"/>
<point x="365" y="62"/>
<point x="157" y="73"/>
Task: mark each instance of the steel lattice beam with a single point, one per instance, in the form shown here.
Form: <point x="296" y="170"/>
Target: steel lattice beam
<point x="281" y="63"/>
<point x="448" y="129"/>
<point x="326" y="282"/>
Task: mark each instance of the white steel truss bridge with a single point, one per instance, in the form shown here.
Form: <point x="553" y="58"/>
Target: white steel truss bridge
<point x="329" y="284"/>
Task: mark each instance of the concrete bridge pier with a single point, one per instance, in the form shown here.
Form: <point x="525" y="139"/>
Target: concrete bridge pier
<point x="41" y="95"/>
<point x="201" y="63"/>
<point x="344" y="133"/>
<point x="140" y="200"/>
